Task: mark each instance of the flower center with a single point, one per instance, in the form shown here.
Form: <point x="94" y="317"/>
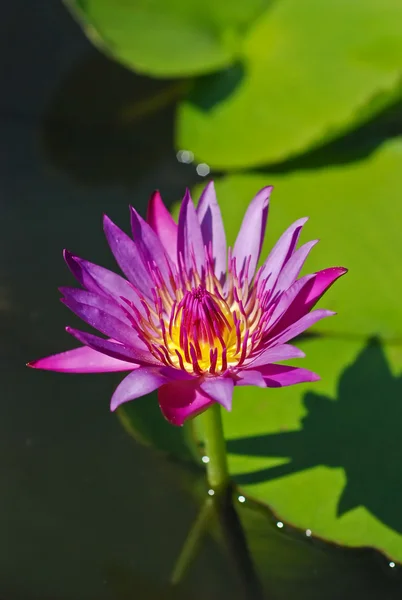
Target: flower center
<point x="202" y="318"/>
<point x="195" y="325"/>
<point x="201" y="330"/>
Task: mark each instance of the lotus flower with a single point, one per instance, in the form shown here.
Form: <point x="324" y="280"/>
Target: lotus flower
<point x="193" y="319"/>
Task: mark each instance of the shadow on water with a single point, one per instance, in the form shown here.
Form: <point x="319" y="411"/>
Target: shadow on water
<point x="106" y="125"/>
<point x="360" y="432"/>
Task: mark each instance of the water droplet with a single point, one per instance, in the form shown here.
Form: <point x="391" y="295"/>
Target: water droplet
<point x="308" y="532"/>
<point x="205" y="459"/>
<point x="185" y="156"/>
<point x="241" y="499"/>
<point x="392" y="564"/>
<point x="203" y="169"/>
<point x="211" y="492"/>
<point x="279" y="524"/>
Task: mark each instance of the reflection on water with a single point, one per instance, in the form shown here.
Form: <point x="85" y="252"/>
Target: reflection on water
<point x="85" y="512"/>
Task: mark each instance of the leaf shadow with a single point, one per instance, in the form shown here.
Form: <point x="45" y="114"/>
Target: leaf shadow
<point x="360" y="432"/>
<point x="210" y="90"/>
<point x="106" y="125"/>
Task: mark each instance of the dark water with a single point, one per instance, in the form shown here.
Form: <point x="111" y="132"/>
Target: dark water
<point x="86" y="512"/>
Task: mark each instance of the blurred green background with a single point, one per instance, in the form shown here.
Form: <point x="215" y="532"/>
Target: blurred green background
<point x="105" y="100"/>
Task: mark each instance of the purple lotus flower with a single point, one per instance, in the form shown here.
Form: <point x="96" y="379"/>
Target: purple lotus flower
<point x="193" y="319"/>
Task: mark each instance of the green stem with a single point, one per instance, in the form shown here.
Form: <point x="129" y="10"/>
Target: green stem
<point x="192" y="542"/>
<point x="215" y="448"/>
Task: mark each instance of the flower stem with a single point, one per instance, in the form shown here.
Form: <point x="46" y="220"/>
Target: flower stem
<point x="193" y="540"/>
<point x="215" y="448"/>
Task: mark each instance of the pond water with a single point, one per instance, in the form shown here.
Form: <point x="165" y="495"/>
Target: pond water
<point x="86" y="512"/>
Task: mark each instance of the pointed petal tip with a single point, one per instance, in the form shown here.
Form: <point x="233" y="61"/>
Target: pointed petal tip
<point x="268" y="189"/>
<point x="132" y="210"/>
<point x="187" y="196"/>
<point x="154" y="199"/>
<point x="210" y="185"/>
<point x="68" y="256"/>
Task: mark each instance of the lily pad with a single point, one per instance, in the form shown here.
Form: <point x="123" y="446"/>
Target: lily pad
<point x="168" y="39"/>
<point x="312" y="70"/>
<point x="326" y="456"/>
<point x="355" y="210"/>
<point x="142" y="419"/>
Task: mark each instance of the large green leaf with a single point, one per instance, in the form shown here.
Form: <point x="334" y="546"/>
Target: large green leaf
<point x="326" y="456"/>
<point x="312" y="70"/>
<point x="166" y="39"/>
<point x="355" y="211"/>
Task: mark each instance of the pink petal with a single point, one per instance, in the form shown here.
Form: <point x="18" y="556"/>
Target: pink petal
<point x="220" y="389"/>
<point x="213" y="231"/>
<point x="149" y="247"/>
<point x="114" y="349"/>
<point x="282" y="251"/>
<point x="301" y="325"/>
<point x="163" y="224"/>
<point x="283" y="375"/>
<point x="105" y="323"/>
<point x="291" y="305"/>
<point x="251" y="235"/>
<point x="105" y="303"/>
<point x="190" y="244"/>
<point x="253" y="378"/>
<point x="276" y="354"/>
<point x="292" y="268"/>
<point x="323" y="281"/>
<point x="302" y="297"/>
<point x="181" y="400"/>
<point x="99" y="280"/>
<point x="140" y="382"/>
<point x="128" y="257"/>
<point x="82" y="360"/>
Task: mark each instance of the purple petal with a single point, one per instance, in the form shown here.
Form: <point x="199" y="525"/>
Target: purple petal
<point x="114" y="349"/>
<point x="283" y="375"/>
<point x="213" y="231"/>
<point x="189" y="241"/>
<point x="301" y="325"/>
<point x="276" y="354"/>
<point x="302" y="297"/>
<point x="251" y="235"/>
<point x="82" y="360"/>
<point x="250" y="378"/>
<point x="148" y="244"/>
<point x="104" y="322"/>
<point x="181" y="400"/>
<point x="290" y="307"/>
<point x="282" y="251"/>
<point x="96" y="300"/>
<point x="323" y="280"/>
<point x="140" y="382"/>
<point x="292" y="268"/>
<point x="163" y="224"/>
<point x="128" y="257"/>
<point x="220" y="389"/>
<point x="102" y="281"/>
